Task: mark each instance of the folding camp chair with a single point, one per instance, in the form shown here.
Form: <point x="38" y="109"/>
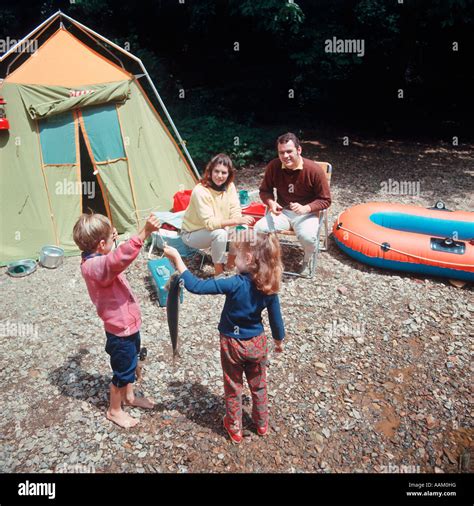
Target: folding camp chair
<point x="288" y="237"/>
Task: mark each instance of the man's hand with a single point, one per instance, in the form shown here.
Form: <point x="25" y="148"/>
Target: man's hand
<point x="278" y="346"/>
<point x="114" y="235"/>
<point x="274" y="207"/>
<point x="299" y="209"/>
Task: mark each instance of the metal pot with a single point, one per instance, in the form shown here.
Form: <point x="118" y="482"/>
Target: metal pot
<point x="21" y="268"/>
<point x="51" y="257"/>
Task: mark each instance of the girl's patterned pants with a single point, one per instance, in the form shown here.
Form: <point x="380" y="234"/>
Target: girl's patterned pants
<point x="249" y="356"/>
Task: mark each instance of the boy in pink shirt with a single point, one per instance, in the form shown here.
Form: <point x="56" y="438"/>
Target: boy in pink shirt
<point x="115" y="303"/>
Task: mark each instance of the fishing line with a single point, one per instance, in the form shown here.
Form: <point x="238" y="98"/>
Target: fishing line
<point x="138" y="212"/>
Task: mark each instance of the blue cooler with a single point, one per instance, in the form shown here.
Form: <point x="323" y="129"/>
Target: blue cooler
<point x="161" y="270"/>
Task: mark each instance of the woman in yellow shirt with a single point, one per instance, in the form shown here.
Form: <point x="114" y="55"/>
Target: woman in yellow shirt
<point x="213" y="207"/>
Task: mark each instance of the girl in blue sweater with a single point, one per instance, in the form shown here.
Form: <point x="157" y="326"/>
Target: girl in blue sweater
<point x="243" y="342"/>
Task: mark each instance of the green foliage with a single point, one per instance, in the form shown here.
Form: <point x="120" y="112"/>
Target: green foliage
<point x="190" y="46"/>
<point x="206" y="136"/>
<point x="92" y="7"/>
<point x="375" y="14"/>
<point x="275" y="16"/>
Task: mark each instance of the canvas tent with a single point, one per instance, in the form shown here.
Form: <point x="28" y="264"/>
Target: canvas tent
<point x="82" y="131"/>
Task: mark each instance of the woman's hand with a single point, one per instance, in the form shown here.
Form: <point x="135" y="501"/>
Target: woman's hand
<point x="247" y="220"/>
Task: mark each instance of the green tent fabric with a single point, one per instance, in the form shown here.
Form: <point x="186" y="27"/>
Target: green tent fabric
<point x="136" y="162"/>
<point x="25" y="221"/>
<point x="161" y="167"/>
<point x="44" y="101"/>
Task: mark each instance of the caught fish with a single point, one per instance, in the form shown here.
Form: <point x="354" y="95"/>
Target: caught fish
<point x="172" y="311"/>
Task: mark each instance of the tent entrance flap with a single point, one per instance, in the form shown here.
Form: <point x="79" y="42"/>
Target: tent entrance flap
<point x="102" y="136"/>
<point x="92" y="198"/>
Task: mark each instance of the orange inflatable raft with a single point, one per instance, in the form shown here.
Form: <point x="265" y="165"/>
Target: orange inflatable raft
<point x="434" y="241"/>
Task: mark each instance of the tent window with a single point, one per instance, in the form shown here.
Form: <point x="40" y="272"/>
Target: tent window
<point x="103" y="131"/>
<point x="57" y="139"/>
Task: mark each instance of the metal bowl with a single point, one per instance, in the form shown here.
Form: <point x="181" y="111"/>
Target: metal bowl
<point x="51" y="256"/>
<point x="21" y="268"/>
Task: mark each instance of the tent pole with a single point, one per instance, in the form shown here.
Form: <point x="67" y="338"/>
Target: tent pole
<point x="12" y="49"/>
<point x="102" y="46"/>
<point x="29" y="44"/>
<point x="118" y="48"/>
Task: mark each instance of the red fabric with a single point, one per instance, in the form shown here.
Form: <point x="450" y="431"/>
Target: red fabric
<point x="249" y="356"/>
<point x="255" y="209"/>
<point x="167" y="226"/>
<point x="181" y="200"/>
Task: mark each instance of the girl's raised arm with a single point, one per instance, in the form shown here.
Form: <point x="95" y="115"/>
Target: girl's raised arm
<point x="208" y="286"/>
<point x="195" y="284"/>
<point x="275" y="318"/>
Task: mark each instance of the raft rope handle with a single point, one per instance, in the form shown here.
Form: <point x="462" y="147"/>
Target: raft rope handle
<point x="340" y="227"/>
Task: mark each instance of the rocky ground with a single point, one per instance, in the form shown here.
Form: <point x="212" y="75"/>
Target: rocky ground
<point x="376" y="375"/>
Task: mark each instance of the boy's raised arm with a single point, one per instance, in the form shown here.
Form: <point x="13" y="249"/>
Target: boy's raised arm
<point x="115" y="262"/>
<point x="118" y="260"/>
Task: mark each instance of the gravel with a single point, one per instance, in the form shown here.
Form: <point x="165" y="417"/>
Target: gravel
<point x="376" y="372"/>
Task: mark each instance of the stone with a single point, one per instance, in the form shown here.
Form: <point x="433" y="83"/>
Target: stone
<point x="451" y="456"/>
<point x="431" y="422"/>
<point x="317" y="438"/>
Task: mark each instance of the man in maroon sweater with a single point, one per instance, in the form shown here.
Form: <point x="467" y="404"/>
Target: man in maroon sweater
<point x="295" y="189"/>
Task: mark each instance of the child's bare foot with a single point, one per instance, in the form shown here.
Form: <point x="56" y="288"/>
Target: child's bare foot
<point x="140" y="402"/>
<point x="122" y="419"/>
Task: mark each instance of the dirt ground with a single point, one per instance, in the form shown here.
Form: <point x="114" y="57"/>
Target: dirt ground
<point x="376" y="375"/>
